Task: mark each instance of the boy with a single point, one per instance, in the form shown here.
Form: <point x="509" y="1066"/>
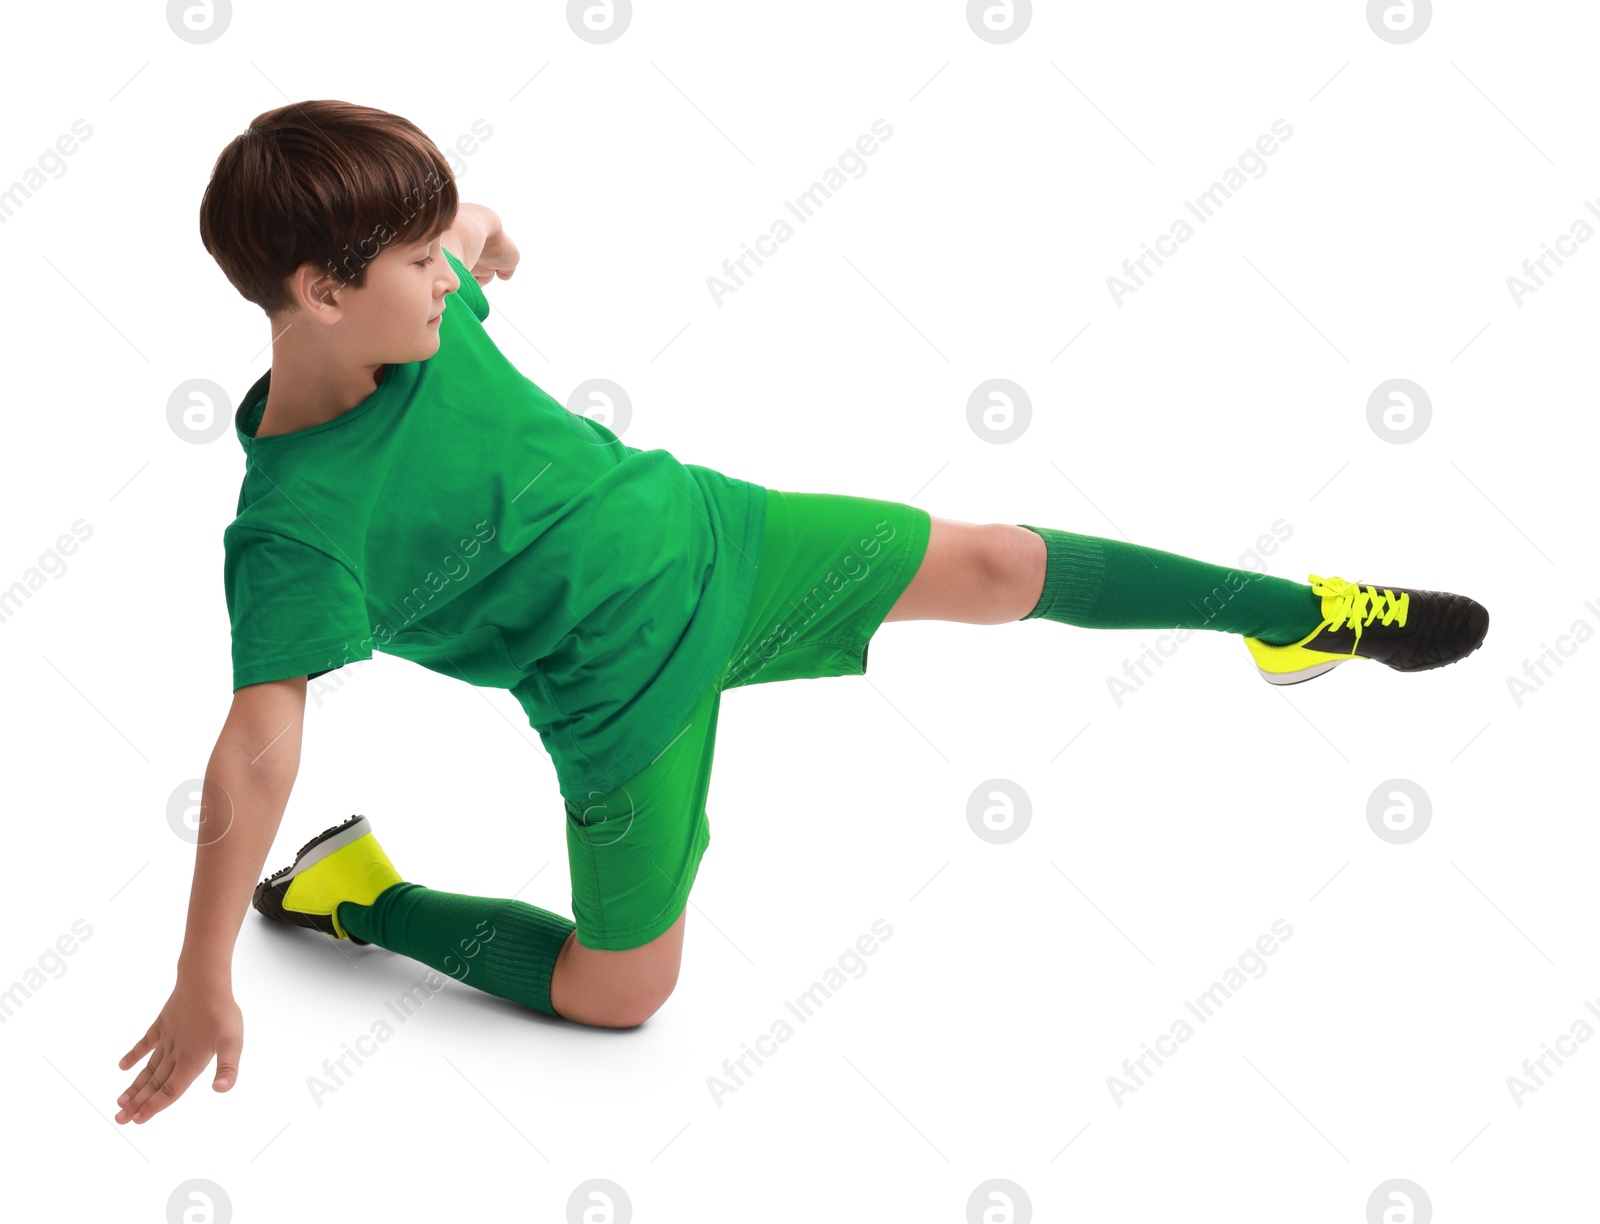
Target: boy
<point x="408" y="490"/>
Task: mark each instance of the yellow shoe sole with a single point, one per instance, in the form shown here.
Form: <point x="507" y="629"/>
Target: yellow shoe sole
<point x="1292" y="664"/>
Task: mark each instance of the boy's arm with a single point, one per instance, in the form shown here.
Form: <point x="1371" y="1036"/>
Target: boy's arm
<point x="469" y="231"/>
<point x="247" y="783"/>
<point x="477" y="239"/>
<point x="248" y="780"/>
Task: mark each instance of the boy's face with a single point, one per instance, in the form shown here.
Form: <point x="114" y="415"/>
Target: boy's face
<point x="394" y="318"/>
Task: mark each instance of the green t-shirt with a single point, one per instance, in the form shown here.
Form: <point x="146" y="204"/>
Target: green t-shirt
<point x="463" y="519"/>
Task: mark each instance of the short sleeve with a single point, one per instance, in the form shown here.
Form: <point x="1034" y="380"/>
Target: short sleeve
<point x="471" y="293"/>
<point x="295" y="610"/>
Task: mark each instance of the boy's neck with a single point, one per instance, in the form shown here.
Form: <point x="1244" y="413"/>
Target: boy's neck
<point x="305" y="390"/>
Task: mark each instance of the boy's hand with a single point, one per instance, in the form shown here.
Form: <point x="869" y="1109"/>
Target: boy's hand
<point x="498" y="258"/>
<point x="197" y="1022"/>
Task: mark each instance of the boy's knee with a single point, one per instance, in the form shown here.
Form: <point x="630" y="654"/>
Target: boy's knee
<point x="619" y="988"/>
<point x="626" y="991"/>
<point x="633" y="1007"/>
<point x="1008" y="559"/>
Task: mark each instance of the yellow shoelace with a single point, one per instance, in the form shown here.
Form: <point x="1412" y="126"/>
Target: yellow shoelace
<point x="1355" y="606"/>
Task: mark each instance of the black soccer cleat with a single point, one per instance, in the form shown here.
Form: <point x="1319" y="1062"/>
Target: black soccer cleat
<point x="1408" y="630"/>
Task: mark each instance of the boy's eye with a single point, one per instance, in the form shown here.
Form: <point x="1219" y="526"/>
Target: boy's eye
<point x="423" y="263"/>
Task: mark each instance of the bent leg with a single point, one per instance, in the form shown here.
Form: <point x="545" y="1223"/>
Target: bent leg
<point x="517" y="951"/>
<point x="634" y="853"/>
<point x="503" y="947"/>
<point x="617" y="989"/>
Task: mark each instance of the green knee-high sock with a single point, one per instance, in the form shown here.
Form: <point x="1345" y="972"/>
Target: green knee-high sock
<point x="1107" y="584"/>
<point x="506" y="948"/>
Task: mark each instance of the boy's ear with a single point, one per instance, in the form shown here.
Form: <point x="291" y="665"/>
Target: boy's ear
<point x="315" y="288"/>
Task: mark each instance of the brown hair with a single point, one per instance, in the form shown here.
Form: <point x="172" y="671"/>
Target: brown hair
<point x="325" y="182"/>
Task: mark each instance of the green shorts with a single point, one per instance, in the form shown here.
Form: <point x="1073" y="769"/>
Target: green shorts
<point x="829" y="570"/>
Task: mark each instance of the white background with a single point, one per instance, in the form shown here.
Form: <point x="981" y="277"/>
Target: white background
<point x="1228" y="392"/>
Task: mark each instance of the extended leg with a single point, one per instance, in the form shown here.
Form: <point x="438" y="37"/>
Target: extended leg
<point x="991" y="573"/>
<point x="1111" y="584"/>
<point x="977" y="573"/>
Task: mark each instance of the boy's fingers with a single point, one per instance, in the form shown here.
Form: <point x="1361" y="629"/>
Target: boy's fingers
<point x="227" y="1063"/>
<point x="169" y="1090"/>
<point x="156" y="1074"/>
<point x="154" y="1105"/>
<point x="139" y="1081"/>
<point x="136" y="1096"/>
<point x="140" y="1048"/>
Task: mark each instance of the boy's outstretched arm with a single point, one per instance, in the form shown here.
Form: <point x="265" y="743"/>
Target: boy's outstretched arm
<point x="248" y="779"/>
<point x="476" y="238"/>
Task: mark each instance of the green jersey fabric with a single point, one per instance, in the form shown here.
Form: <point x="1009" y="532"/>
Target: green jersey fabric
<point x="463" y="519"/>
